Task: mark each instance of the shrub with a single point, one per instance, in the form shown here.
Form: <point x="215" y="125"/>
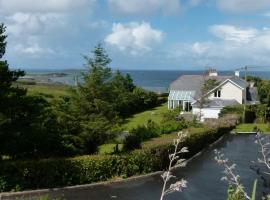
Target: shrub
<point x="139" y="134"/>
<point x="252" y="112"/>
<point x="172" y="126"/>
<point x="153" y="156"/>
<point x="132" y="142"/>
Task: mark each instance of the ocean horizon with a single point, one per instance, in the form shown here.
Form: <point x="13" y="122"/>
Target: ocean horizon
<point x="153" y="80"/>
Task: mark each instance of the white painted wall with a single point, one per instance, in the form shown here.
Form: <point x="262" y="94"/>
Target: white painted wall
<point x="230" y="91"/>
<point x="207" y="112"/>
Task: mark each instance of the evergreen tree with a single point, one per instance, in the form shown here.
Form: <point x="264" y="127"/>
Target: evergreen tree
<point x="27" y="126"/>
<point x="2" y="40"/>
<point x="93" y="102"/>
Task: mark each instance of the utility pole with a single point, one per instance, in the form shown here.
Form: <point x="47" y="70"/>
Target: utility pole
<point x="245" y="97"/>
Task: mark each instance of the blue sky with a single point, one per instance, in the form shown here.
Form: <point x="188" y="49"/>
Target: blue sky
<point x="138" y="34"/>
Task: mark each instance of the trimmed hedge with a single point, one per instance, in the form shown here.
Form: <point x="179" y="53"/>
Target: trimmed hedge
<point x="49" y="173"/>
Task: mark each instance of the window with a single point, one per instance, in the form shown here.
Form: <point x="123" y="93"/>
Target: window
<point x="217" y="93"/>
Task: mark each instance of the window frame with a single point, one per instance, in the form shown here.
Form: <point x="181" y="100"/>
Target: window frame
<point x="217" y="93"/>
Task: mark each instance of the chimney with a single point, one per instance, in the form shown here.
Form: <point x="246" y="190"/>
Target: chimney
<point x="237" y="73"/>
<point x="251" y="84"/>
<point x="212" y="72"/>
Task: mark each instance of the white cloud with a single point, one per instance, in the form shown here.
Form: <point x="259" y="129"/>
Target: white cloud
<point x="42" y="27"/>
<point x="245" y="46"/>
<point x="134" y="37"/>
<point x="30" y="6"/>
<point x="232" y="33"/>
<point x="32" y="50"/>
<point x="28" y="24"/>
<point x="243" y="5"/>
<point x="200" y="48"/>
<point x="145" y="6"/>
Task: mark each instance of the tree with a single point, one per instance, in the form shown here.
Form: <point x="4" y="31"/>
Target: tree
<point x="3" y="42"/>
<point x="208" y="84"/>
<point x="122" y="89"/>
<point x="100" y="103"/>
<point x="27" y="125"/>
<point x="93" y="102"/>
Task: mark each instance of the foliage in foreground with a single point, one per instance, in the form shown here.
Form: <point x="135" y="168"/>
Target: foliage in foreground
<point x="153" y="156"/>
<point x="236" y="191"/>
<point x="28" y="126"/>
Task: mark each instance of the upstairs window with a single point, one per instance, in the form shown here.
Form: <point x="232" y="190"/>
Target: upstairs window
<point x="217" y="93"/>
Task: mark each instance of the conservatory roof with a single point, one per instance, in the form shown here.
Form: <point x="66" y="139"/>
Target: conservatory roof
<point x="182" y="95"/>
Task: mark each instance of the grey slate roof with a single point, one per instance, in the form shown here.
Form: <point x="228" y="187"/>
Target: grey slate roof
<point x="242" y="83"/>
<point x="195" y="82"/>
<point x="218" y="103"/>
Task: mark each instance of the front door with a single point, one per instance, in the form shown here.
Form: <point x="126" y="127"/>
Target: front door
<point x="187" y="106"/>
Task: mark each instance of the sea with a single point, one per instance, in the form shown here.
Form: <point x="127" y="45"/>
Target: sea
<point x="153" y="80"/>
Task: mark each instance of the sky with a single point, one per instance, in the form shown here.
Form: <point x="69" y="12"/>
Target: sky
<point x="138" y="34"/>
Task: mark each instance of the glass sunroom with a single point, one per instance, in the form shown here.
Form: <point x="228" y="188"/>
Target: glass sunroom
<point x="181" y="99"/>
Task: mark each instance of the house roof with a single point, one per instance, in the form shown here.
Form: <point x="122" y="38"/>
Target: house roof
<point x="217" y="103"/>
<point x="238" y="81"/>
<point x="195" y="82"/>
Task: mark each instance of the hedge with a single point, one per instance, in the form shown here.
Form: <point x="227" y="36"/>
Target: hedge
<point x="50" y="173"/>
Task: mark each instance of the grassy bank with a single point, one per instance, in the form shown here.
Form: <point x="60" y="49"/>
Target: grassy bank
<point x="154" y="115"/>
<point x="252" y="127"/>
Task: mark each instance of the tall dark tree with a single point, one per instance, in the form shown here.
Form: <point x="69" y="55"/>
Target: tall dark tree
<point x="100" y="103"/>
<point x="27" y="125"/>
<point x="92" y="102"/>
<point x="3" y="42"/>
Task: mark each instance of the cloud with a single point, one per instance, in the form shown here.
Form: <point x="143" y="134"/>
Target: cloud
<point x="44" y="29"/>
<point x="27" y="24"/>
<point x="236" y="46"/>
<point x="145" y="7"/>
<point x="32" y="6"/>
<point x="33" y="50"/>
<point x="243" y="5"/>
<point x="134" y="37"/>
<point x="232" y="33"/>
<point x="200" y="48"/>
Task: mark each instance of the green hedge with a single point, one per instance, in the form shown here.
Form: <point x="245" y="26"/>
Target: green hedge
<point x="49" y="173"/>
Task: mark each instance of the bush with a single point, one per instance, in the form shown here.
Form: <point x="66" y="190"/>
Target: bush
<point x="140" y="134"/>
<point x="172" y="126"/>
<point x="153" y="156"/>
<point x="253" y="112"/>
<point x="132" y="142"/>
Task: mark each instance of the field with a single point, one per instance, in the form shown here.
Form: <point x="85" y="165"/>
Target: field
<point x="154" y="114"/>
<point x="49" y="90"/>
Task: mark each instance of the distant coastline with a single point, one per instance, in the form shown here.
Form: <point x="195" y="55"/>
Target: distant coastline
<point x="153" y="80"/>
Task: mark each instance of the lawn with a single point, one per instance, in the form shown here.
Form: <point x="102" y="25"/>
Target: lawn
<point x="251" y="127"/>
<point x="108" y="148"/>
<point x="154" y="114"/>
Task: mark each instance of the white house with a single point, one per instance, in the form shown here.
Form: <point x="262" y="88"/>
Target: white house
<point x="231" y="90"/>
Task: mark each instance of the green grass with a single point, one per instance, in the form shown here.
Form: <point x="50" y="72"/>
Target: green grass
<point x="154" y="114"/>
<point x="108" y="148"/>
<point x="50" y="90"/>
<point x="250" y="127"/>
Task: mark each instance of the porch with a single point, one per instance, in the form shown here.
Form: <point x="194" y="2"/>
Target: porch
<point x="182" y="99"/>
